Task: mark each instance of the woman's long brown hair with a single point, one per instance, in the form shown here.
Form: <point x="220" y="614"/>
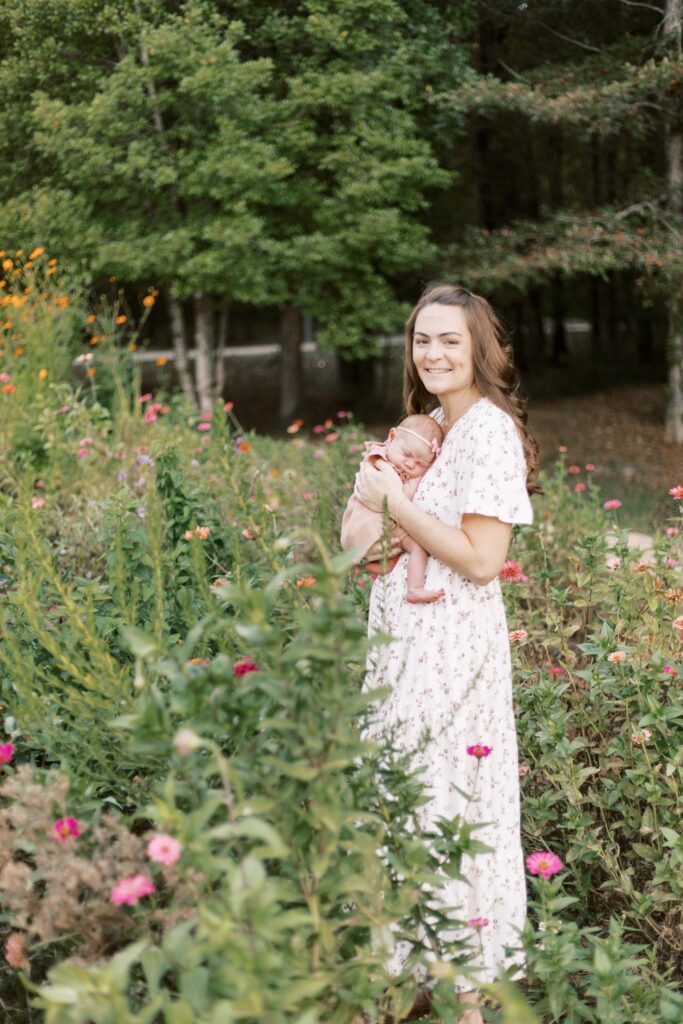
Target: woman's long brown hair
<point x="494" y="371"/>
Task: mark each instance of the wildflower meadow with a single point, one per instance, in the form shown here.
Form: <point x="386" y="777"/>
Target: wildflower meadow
<point x="194" y="828"/>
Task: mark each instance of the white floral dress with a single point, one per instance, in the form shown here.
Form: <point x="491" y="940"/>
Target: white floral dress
<point x="449" y="673"/>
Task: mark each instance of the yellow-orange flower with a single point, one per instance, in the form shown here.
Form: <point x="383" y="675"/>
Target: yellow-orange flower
<point x="42" y="374"/>
<point x="38" y="251"/>
<point x="91" y="371"/>
<point x="19" y="252"/>
<point x="132" y="347"/>
<point x="161" y="361"/>
<point x="51" y="270"/>
<point x="121" y="319"/>
<point x="94" y="339"/>
<point x="7" y="264"/>
<point x="52" y="262"/>
<point x="28" y="265"/>
<point x="19" y="350"/>
<point x="148" y="301"/>
<point x="91" y="318"/>
<point x="62" y="301"/>
<point x="306" y="581"/>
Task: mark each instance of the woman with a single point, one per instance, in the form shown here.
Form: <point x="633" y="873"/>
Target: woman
<point x="449" y="667"/>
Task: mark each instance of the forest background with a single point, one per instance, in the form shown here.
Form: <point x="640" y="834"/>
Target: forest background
<point x="325" y="160"/>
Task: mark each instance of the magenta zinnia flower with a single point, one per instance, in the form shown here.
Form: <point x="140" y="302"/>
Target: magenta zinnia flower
<point x="130" y="890"/>
<point x="478" y="922"/>
<point x="164" y="849"/>
<point x="479" y="750"/>
<point x="244" y="666"/>
<point x="544" y="863"/>
<point x="613" y="503"/>
<point x="6" y="752"/>
<point x="64" y="829"/>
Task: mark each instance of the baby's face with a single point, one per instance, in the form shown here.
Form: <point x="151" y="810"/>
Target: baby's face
<point x="412" y="458"/>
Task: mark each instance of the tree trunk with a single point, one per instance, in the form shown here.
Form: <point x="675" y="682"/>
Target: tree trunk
<point x="674" y="168"/>
<point x="203" y="351"/>
<point x="291" y="375"/>
<point x="180" y="346"/>
<point x="222" y="328"/>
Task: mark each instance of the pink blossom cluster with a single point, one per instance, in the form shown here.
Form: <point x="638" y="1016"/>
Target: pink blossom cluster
<point x="202" y="532"/>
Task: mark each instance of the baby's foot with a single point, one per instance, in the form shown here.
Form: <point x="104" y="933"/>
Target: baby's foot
<point x="421" y="596"/>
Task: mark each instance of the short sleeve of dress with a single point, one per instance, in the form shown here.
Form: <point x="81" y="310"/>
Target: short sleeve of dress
<point x="496" y="484"/>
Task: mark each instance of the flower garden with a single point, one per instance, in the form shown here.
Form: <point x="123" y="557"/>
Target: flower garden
<point x="193" y="828"/>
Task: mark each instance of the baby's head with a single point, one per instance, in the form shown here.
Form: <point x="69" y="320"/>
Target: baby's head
<point x="413" y="445"/>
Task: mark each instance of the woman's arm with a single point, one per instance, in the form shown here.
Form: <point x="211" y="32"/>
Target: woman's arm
<point x="477" y="550"/>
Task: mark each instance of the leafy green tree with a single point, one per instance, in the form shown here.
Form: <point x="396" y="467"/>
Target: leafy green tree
<point x="233" y="153"/>
<point x="607" y="127"/>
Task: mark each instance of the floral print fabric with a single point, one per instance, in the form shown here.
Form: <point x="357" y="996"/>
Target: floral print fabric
<point x="449" y="674"/>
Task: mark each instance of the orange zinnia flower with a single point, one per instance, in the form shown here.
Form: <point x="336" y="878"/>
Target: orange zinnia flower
<point x="161" y="361"/>
<point x="148" y="301"/>
<point x="121" y="319"/>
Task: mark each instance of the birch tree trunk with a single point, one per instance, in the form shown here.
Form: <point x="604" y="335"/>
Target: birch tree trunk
<point x="203" y="331"/>
<point x="179" y="336"/>
<point x="222" y="329"/>
<point x="674" y="169"/>
<point x="291" y="333"/>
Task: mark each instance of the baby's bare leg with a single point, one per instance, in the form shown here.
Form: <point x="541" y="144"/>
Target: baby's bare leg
<point x="417" y="565"/>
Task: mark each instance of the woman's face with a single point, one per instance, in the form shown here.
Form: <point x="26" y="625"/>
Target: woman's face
<point x="443" y="350"/>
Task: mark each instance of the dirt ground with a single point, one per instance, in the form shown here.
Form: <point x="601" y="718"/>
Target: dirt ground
<point x="621" y="431"/>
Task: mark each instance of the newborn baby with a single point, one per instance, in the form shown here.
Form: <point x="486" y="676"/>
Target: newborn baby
<point x="410" y="450"/>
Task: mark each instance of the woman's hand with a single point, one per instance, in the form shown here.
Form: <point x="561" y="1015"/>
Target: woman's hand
<point x="375" y="483"/>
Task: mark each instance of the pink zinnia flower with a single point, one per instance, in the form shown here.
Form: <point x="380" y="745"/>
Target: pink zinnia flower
<point x="670" y="670"/>
<point x="479" y="750"/>
<point x="6" y="752"/>
<point x="318" y="453"/>
<point x="580" y="487"/>
<point x="518" y="636"/>
<point x="613" y="503"/>
<point x="672" y="531"/>
<point x="573" y="469"/>
<point x="616" y="657"/>
<point x="4" y="377"/>
<point x="331" y="437"/>
<point x="132" y="889"/>
<point x="150" y="417"/>
<point x="678" y="623"/>
<point x="544" y="863"/>
<point x="589" y="467"/>
<point x="555" y="671"/>
<point x="244" y="666"/>
<point x="145" y="398"/>
<point x="523" y="770"/>
<point x="37" y="502"/>
<point x="203" y="426"/>
<point x="512" y="572"/>
<point x="82" y="452"/>
<point x="478" y="922"/>
<point x="677" y="492"/>
<point x="164" y="849"/>
<point x="64" y="829"/>
<point x="639" y="739"/>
